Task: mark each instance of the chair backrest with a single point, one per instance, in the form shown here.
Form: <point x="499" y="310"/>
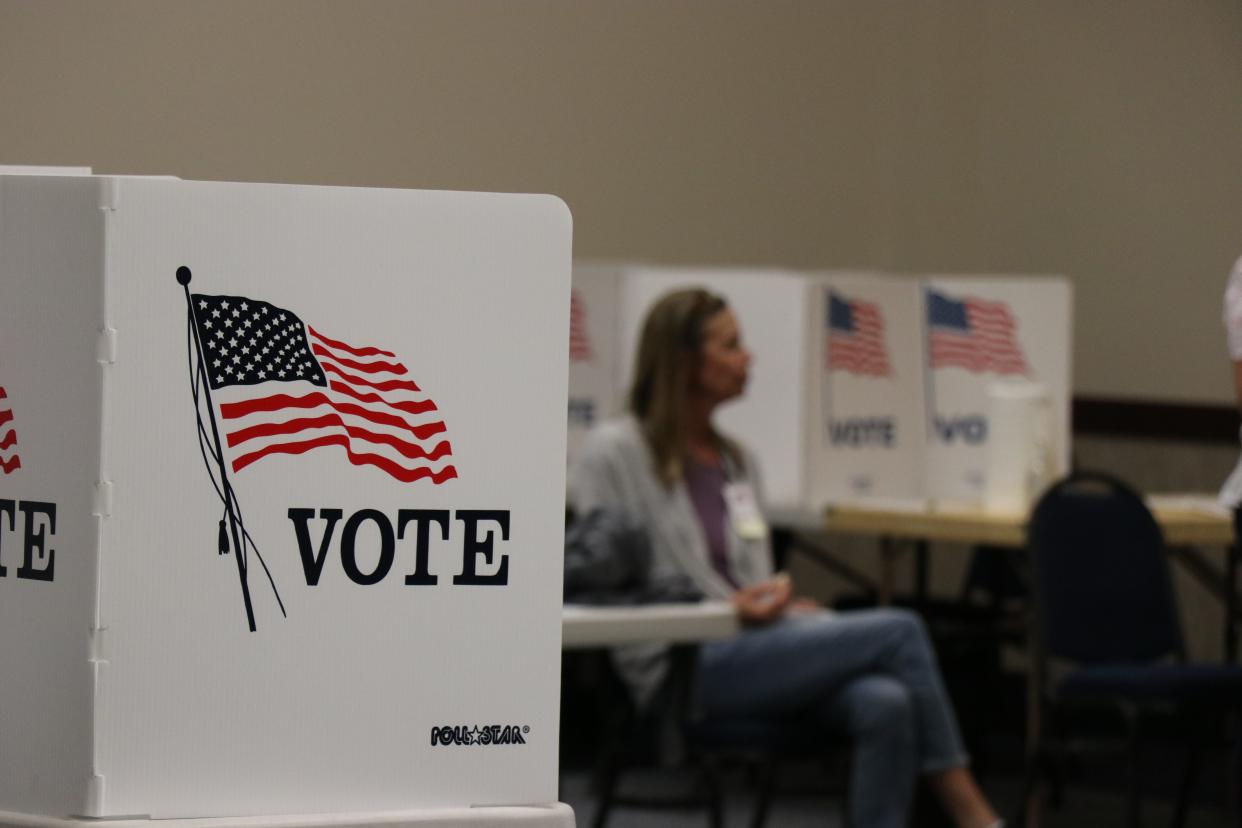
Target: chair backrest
<point x="1102" y="585"/>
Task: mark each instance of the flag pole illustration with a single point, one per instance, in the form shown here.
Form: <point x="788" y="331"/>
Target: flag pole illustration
<point x="829" y="396"/>
<point x="855" y="343"/>
<point x="224" y="488"/>
<point x="929" y="363"/>
<point x="274" y="386"/>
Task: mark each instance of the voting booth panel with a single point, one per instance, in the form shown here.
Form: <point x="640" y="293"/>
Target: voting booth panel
<point x="281" y="520"/>
<point x="594" y="351"/>
<point x="51" y="238"/>
<point x="866" y="379"/>
<point x="772" y="310"/>
<point x="982" y="331"/>
<point x="19" y="169"/>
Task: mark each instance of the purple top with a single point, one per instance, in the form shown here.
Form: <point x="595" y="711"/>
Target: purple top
<point x="706" y="486"/>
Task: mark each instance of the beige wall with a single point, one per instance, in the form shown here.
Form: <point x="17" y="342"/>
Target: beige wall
<point x="1098" y="139"/>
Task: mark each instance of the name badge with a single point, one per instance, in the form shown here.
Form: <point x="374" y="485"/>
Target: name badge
<point x="744" y="513"/>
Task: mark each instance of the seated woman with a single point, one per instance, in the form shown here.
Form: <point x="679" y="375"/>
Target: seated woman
<point x="871" y="673"/>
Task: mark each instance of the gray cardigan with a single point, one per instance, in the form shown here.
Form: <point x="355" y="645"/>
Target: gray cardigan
<point x="616" y="470"/>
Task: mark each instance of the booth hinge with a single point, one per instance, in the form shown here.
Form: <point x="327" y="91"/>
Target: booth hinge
<point x="103" y="499"/>
<point x="109" y="193"/>
<point x="105" y="348"/>
<point x="95" y="787"/>
<point x="97" y="646"/>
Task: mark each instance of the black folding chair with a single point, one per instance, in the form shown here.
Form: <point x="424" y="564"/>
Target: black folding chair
<point x="1104" y="602"/>
<point x="710" y="744"/>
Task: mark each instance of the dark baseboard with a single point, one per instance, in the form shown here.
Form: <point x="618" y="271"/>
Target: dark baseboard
<point x="1153" y="420"/>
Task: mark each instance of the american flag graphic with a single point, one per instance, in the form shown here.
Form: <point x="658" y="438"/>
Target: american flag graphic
<point x="9" y="459"/>
<point x="975" y="334"/>
<point x="856" y="338"/>
<point x="282" y="387"/>
<point x="579" y="338"/>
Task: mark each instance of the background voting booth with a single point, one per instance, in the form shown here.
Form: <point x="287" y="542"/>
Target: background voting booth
<point x="868" y="427"/>
<point x="280" y="517"/>
<point x="871" y="388"/>
<point x="9" y="169"/>
<point x="594" y="349"/>
<point x="998" y="358"/>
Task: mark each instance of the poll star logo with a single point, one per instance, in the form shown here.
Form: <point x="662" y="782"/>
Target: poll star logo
<point x="266" y="383"/>
<point x="480" y="735"/>
<point x="10" y="460"/>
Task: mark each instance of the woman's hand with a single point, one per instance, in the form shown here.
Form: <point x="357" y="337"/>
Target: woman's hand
<point x="765" y="601"/>
<point x="805" y="606"/>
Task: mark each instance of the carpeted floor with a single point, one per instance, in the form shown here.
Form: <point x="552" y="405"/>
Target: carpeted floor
<point x="1083" y="807"/>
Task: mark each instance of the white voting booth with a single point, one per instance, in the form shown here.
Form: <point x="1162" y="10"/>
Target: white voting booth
<point x="595" y="355"/>
<point x="17" y="169"/>
<point x="982" y="334"/>
<point x="280" y="498"/>
<point x="870" y="388"/>
<point x="868" y="426"/>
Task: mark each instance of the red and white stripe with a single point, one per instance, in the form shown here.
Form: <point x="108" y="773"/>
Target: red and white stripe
<point x="579" y="338"/>
<point x="10" y="461"/>
<point x="991" y="344"/>
<point x="862" y="351"/>
<point x="371" y="409"/>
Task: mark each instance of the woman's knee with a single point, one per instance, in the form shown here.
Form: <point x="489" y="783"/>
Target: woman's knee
<point x="878" y="703"/>
<point x="902" y="624"/>
<point x="902" y="618"/>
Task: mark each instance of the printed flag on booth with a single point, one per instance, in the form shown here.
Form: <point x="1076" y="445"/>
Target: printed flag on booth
<point x="282" y="387"/>
<point x="10" y="461"/>
<point x="579" y="336"/>
<point x="975" y="334"/>
<point x="856" y="338"/>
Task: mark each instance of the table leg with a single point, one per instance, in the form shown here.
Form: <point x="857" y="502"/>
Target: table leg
<point x="1231" y="603"/>
<point x="1223" y="584"/>
<point x="1033" y="797"/>
<point x="888" y="571"/>
<point x="821" y="555"/>
<point x="922" y="591"/>
<point x="1032" y="704"/>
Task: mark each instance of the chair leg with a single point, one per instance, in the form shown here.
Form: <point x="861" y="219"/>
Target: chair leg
<point x="606" y="780"/>
<point x="714" y="793"/>
<point x="1188" y="778"/>
<point x="763" y="800"/>
<point x="1056" y="784"/>
<point x="608" y="772"/>
<point x="1029" y="805"/>
<point x="1134" y="799"/>
<point x="1233" y="781"/>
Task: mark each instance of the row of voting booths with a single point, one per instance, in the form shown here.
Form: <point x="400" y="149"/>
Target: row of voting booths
<point x="949" y="391"/>
<point x="281" y="499"/>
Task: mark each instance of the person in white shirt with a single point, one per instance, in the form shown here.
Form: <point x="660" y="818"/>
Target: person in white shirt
<point x="1231" y="492"/>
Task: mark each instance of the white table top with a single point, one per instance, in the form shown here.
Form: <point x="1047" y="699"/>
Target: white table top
<point x="555" y="815"/>
<point x="591" y="626"/>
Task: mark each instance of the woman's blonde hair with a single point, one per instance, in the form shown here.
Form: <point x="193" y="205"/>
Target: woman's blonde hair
<point x="664" y="366"/>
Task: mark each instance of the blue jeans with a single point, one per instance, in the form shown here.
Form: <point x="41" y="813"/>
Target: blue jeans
<point x="870" y="673"/>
